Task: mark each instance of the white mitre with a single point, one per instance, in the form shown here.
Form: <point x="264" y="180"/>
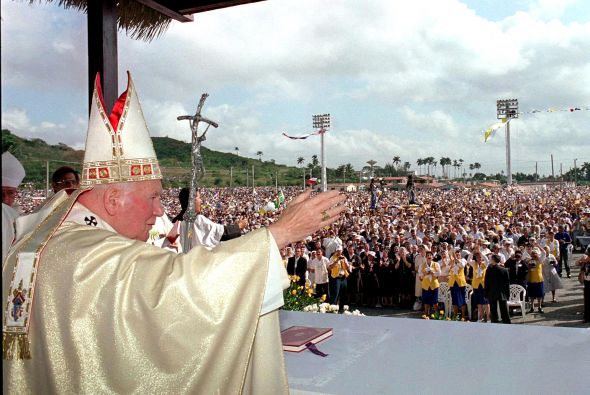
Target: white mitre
<point x="13" y="171"/>
<point x="118" y="146"/>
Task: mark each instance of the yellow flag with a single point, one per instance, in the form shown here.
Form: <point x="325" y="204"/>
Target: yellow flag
<point x="489" y="132"/>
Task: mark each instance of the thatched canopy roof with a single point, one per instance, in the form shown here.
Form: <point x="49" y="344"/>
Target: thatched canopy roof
<point x="147" y="19"/>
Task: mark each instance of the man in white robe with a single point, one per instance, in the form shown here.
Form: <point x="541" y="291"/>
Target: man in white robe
<point x="112" y="314"/>
<point x="12" y="175"/>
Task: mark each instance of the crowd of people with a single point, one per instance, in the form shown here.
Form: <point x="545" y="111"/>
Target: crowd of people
<point x="398" y="254"/>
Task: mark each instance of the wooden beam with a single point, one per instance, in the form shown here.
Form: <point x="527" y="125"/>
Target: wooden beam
<point x="166" y="11"/>
<point x="102" y="50"/>
<point x="215" y="5"/>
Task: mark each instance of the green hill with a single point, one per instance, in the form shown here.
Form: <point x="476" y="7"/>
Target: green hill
<point x="221" y="169"/>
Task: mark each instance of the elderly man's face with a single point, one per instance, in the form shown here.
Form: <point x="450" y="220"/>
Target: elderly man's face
<point x="139" y="206"/>
<point x="8" y="195"/>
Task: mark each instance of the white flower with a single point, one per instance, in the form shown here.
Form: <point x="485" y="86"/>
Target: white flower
<point x="345" y="307"/>
<point x="322" y="310"/>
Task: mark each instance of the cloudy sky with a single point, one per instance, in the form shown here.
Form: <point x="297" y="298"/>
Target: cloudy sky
<point x="412" y="79"/>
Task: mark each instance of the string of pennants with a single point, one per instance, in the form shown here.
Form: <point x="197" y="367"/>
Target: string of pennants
<point x="489" y="132"/>
<point x="318" y="132"/>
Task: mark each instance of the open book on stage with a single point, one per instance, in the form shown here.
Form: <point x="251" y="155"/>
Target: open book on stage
<point x="296" y="338"/>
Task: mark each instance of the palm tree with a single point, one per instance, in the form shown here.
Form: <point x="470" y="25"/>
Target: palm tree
<point x="420" y="162"/>
<point x="237" y="151"/>
<point x="456" y="166"/>
<point x="396" y="161"/>
<point x="259" y="154"/>
<point x="471" y="167"/>
<point x="407" y="166"/>
<point x="349" y="168"/>
<point x="300" y="160"/>
<point x="314" y="160"/>
<point x="461" y="165"/>
<point x="445" y="161"/>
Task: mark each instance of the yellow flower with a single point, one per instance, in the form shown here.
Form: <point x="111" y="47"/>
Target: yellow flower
<point x="300" y="287"/>
<point x="323" y="298"/>
<point x="441" y="312"/>
<point x="448" y="318"/>
<point x="294" y="292"/>
<point x="431" y="315"/>
<point x="295" y="278"/>
<point x="424" y="316"/>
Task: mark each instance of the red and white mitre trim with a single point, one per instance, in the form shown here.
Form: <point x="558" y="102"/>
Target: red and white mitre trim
<point x="118" y="146"/>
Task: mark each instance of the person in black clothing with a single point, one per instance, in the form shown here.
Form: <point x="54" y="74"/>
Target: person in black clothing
<point x="517" y="269"/>
<point x="405" y="275"/>
<point x="497" y="289"/>
<point x="564" y="239"/>
<point x="355" y="283"/>
<point x="297" y="265"/>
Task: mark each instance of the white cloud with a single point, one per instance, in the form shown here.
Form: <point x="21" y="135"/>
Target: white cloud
<point x="413" y="79"/>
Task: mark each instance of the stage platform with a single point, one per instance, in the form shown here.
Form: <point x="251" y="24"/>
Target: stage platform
<point x="381" y="355"/>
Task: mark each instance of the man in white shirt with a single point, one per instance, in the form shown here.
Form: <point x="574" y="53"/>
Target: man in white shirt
<point x="331" y="243"/>
<point x="318" y="267"/>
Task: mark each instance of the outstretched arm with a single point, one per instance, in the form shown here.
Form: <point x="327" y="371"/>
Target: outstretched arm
<point x="304" y="215"/>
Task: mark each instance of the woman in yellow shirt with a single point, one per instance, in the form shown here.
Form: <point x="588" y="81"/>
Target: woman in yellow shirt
<point x="428" y="273"/>
<point x="535" y="288"/>
<point x="479" y="271"/>
<point x="457" y="282"/>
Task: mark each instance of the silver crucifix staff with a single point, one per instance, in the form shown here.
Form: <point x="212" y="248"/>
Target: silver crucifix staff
<point x="198" y="171"/>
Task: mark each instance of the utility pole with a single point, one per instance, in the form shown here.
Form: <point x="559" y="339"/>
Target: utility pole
<point x="536" y="171"/>
<point x="253" y="178"/>
<point x="552" y="171"/>
<point x="322" y="122"/>
<point x="561" y="170"/>
<point x="507" y="109"/>
<point x="304" y="178"/>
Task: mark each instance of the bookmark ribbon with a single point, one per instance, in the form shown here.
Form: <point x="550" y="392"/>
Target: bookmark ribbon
<point x="312" y="347"/>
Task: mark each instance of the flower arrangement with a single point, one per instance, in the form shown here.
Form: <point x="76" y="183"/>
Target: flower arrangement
<point x="297" y="296"/>
<point x="301" y="298"/>
<point x="441" y="316"/>
<point x="329" y="308"/>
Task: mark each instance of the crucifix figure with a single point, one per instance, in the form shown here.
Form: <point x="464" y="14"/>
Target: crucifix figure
<point x="198" y="170"/>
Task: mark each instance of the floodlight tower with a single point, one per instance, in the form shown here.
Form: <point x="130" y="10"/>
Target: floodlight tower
<point x="323" y="122"/>
<point x="507" y="109"/>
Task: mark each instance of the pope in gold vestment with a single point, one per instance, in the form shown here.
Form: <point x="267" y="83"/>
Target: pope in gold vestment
<point x="115" y="315"/>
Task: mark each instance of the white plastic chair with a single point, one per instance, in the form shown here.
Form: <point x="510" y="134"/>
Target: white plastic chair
<point x="444" y="295"/>
<point x="468" y="293"/>
<point x="518" y="298"/>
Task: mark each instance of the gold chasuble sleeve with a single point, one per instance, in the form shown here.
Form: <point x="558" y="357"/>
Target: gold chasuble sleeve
<point x="113" y="315"/>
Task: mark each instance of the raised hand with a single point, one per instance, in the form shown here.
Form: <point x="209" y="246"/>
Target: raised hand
<point x="305" y="214"/>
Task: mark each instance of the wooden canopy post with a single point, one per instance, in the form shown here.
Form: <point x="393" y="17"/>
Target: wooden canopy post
<point x="102" y="50"/>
